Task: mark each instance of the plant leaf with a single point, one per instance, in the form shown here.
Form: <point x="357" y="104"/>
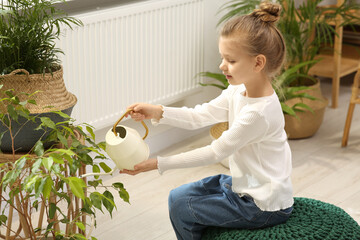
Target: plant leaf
<point x="48" y="122"/>
<point x="52" y="210"/>
<point x="105" y="167"/>
<point x="39" y="148"/>
<point x="108" y="201"/>
<point x="77" y="186"/>
<point x="47" y="162"/>
<point x="96" y="199"/>
<point x="48" y="183"/>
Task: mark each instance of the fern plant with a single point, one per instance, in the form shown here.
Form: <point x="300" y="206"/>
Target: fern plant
<point x="28" y="31"/>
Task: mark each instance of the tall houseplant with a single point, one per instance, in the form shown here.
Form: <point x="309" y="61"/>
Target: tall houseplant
<point x="29" y="58"/>
<point x="43" y="188"/>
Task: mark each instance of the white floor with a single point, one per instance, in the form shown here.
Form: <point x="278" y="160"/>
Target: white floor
<point x="321" y="170"/>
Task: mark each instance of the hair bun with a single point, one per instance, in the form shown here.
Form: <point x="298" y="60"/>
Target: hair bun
<point x="268" y="12"/>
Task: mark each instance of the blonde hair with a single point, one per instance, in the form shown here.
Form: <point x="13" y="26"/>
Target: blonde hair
<point x="258" y="34"/>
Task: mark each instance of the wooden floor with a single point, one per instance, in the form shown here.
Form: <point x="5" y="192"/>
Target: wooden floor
<point x="321" y="170"/>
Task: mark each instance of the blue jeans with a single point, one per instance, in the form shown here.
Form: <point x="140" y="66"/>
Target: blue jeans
<point x="211" y="202"/>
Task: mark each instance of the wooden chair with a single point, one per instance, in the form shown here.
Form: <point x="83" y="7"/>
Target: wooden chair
<point x="355" y="99"/>
<point x="336" y="64"/>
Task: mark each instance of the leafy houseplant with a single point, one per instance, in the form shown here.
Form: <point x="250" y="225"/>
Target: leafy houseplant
<point x="305" y="28"/>
<point x="29" y="58"/>
<point x="28" y="31"/>
<point x="45" y="181"/>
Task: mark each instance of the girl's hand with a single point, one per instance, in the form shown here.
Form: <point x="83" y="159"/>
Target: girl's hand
<point x="142" y="111"/>
<point x="147" y="165"/>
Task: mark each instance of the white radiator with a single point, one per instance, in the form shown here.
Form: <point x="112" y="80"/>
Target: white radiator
<point x="145" y="52"/>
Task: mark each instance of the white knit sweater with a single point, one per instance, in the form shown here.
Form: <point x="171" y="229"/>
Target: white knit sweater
<point x="256" y="144"/>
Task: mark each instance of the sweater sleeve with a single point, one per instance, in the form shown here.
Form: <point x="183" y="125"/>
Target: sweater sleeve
<point x="200" y="116"/>
<point x="248" y="128"/>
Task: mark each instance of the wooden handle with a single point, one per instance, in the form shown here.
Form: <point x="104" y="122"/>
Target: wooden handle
<point x="142" y="122"/>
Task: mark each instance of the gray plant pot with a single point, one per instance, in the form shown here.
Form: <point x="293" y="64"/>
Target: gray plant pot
<point x="27" y="135"/>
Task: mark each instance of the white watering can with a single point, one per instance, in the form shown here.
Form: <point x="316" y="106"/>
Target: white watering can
<point x="125" y="147"/>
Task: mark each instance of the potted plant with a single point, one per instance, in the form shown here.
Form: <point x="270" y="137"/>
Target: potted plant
<point x="305" y="30"/>
<point x="29" y="59"/>
<point x="42" y="189"/>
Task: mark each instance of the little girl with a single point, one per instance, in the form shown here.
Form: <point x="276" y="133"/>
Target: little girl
<point x="259" y="191"/>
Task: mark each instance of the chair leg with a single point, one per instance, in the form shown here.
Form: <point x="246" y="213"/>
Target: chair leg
<point x="348" y="124"/>
<point x="335" y="92"/>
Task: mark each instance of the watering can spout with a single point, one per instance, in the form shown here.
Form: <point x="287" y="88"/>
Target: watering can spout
<point x="125" y="147"/>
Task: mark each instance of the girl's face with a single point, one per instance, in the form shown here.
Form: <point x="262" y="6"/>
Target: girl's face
<point x="237" y="65"/>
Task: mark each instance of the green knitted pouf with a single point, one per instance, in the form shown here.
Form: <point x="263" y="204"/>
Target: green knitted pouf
<point x="310" y="219"/>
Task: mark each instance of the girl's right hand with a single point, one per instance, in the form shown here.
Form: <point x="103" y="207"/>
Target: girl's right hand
<point x="142" y="111"/>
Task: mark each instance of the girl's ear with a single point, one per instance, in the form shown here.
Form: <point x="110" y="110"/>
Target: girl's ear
<point x="260" y="62"/>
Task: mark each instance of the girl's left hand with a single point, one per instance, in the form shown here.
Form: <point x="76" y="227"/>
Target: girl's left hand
<point x="147" y="165"/>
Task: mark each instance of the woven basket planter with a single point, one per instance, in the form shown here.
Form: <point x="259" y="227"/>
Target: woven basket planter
<point x="215" y="133"/>
<point x="307" y="123"/>
<point x="51" y="87"/>
<point x="51" y="96"/>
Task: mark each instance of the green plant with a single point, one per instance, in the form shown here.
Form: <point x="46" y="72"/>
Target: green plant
<point x="285" y="91"/>
<point x="48" y="178"/>
<point x="305" y="28"/>
<point x="223" y="82"/>
<point x="28" y="31"/>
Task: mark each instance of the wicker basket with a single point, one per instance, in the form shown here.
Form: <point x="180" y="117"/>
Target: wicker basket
<point x="215" y="133"/>
<point x="218" y="129"/>
<point x="51" y="89"/>
<point x="51" y="96"/>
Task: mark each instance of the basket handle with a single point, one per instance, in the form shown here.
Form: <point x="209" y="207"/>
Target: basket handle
<point x="20" y="71"/>
<point x="142" y="122"/>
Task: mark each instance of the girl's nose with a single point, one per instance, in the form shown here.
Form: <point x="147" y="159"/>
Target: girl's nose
<point x="222" y="66"/>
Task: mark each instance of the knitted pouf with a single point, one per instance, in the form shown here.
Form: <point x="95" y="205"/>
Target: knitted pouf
<point x="310" y="219"/>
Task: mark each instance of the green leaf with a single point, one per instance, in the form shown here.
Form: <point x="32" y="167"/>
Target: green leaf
<point x="48" y="122"/>
<point x="32" y="101"/>
<point x="57" y="158"/>
<point x="52" y="210"/>
<point x="56" y="168"/>
<point x="39" y="148"/>
<point x="20" y="163"/>
<point x="62" y="139"/>
<point x="108" y="201"/>
<point x="303" y="105"/>
<point x="36" y="165"/>
<point x="105" y="167"/>
<point x="3" y="219"/>
<point x="30" y="185"/>
<point x="90" y="130"/>
<point x="96" y="199"/>
<point x="93" y="183"/>
<point x="62" y="114"/>
<point x="79" y="236"/>
<point x="13" y="114"/>
<point x="77" y="186"/>
<point x="118" y="185"/>
<point x="288" y="110"/>
<point x="47" y="162"/>
<point x="124" y="195"/>
<point x="96" y="169"/>
<point x="80" y="225"/>
<point x="48" y="183"/>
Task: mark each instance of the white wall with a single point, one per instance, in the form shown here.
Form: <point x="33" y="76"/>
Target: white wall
<point x="164" y="136"/>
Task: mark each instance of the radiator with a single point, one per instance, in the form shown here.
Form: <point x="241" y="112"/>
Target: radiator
<point x="145" y="52"/>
